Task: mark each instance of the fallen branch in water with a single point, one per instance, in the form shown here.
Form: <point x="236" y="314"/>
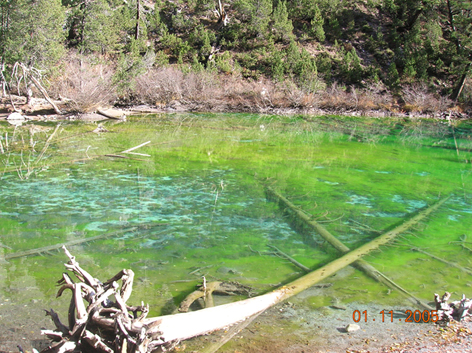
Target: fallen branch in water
<point x="338" y="245"/>
<point x="207" y="289"/>
<point x="108" y="325"/>
<point x="442" y="260"/>
<point x="462" y="242"/>
<point x="289" y="258"/>
<point x="46" y="249"/>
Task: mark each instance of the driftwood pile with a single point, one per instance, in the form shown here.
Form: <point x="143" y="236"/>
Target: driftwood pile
<point x="457" y="310"/>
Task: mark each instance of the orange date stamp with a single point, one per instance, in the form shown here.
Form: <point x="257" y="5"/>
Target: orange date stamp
<point x="387" y="316"/>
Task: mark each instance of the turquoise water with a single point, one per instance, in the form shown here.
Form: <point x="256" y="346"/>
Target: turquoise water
<point x="196" y="206"/>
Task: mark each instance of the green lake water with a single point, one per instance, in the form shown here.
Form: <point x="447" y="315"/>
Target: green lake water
<point x="196" y="205"/>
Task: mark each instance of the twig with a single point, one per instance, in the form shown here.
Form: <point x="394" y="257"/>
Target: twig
<point x="289" y="258"/>
<point x="442" y="260"/>
<point x="47" y="143"/>
<point x="136" y="147"/>
<point x="200" y="268"/>
<point x="364" y="226"/>
<point x="333" y="220"/>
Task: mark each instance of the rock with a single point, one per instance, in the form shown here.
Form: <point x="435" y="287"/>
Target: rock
<point x="100" y="128"/>
<point x="16" y="116"/>
<point x="16" y="119"/>
<point x="227" y="270"/>
<point x="175" y="106"/>
<point x="112" y="113"/>
<point x="352" y="328"/>
<point x="91" y="117"/>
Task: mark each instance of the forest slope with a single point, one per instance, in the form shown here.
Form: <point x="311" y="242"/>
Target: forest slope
<point x="390" y="55"/>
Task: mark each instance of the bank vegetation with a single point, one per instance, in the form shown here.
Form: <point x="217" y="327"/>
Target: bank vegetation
<point x="382" y="56"/>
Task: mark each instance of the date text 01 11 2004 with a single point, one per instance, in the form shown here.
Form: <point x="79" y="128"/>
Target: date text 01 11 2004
<point x="385" y="316"/>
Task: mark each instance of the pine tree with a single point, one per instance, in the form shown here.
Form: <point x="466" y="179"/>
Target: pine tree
<point x="317" y="25"/>
<point x="458" y="21"/>
<point x="292" y="57"/>
<point x="393" y="78"/>
<point x="35" y="33"/>
<point x="256" y="15"/>
<point x="352" y="66"/>
<point x="100" y="30"/>
<point x="282" y="26"/>
<point x="277" y="66"/>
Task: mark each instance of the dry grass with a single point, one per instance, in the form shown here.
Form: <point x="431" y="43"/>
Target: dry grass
<point x="376" y="97"/>
<point x="85" y="86"/>
<point x="419" y="99"/>
<point x="159" y="86"/>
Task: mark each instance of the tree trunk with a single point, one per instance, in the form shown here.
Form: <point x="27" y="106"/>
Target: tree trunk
<point x="461" y="83"/>
<point x="138" y="18"/>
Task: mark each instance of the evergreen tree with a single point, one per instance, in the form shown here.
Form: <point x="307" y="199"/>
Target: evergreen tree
<point x="457" y="21"/>
<point x="277" y="66"/>
<point x="292" y="57"/>
<point x="256" y="14"/>
<point x="317" y="25"/>
<point x="100" y="30"/>
<point x="282" y="26"/>
<point x="393" y="78"/>
<point x="352" y="66"/>
<point x="35" y="32"/>
<point x="96" y="26"/>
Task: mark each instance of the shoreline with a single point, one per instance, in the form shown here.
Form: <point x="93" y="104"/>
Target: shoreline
<point x="42" y="110"/>
<point x="288" y="327"/>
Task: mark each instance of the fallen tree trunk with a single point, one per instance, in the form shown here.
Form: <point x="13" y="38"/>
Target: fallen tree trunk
<point x="112" y="113"/>
<point x="117" y="326"/>
<point x="338" y="245"/>
<point x="46" y="249"/>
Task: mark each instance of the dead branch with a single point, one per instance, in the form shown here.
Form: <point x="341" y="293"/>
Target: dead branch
<point x="222" y="15"/>
<point x="68" y="244"/>
<point x="35" y="76"/>
<point x="206" y="291"/>
<point x="442" y="260"/>
<point x="457" y="310"/>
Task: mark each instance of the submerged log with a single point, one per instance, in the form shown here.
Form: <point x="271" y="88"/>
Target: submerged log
<point x="338" y="245"/>
<point x="108" y="324"/>
<point x="46" y="249"/>
<point x="289" y="258"/>
<point x="207" y="289"/>
<point x="452" y="264"/>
